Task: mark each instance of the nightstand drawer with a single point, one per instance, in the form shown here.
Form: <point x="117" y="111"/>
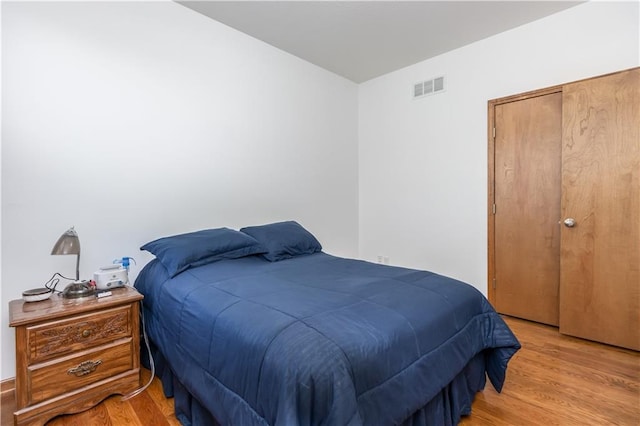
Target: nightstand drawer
<point x="53" y="378"/>
<point x="57" y="338"/>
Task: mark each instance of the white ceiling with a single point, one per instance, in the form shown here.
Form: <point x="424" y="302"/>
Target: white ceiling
<point x="361" y="40"/>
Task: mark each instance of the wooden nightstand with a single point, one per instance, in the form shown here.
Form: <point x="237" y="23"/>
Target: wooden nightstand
<point x="73" y="353"/>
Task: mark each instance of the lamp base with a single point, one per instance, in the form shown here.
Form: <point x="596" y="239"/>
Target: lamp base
<point x="78" y="289"/>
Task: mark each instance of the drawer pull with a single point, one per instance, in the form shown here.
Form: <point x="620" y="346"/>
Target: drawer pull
<point x="86" y="333"/>
<point x="84" y="368"/>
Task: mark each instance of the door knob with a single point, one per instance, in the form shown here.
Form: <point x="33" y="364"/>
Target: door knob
<point x="569" y="222"/>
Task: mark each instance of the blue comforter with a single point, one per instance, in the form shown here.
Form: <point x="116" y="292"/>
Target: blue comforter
<point x="318" y="339"/>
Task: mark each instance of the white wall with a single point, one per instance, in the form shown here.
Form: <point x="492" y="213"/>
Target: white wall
<point x="423" y="163"/>
<point x="137" y="120"/>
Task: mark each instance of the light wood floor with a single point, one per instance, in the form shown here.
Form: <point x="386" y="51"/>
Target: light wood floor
<point x="552" y="380"/>
<point x="561" y="380"/>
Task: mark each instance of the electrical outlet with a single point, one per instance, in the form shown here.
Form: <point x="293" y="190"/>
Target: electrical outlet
<point x="380" y="258"/>
<point x="385" y="260"/>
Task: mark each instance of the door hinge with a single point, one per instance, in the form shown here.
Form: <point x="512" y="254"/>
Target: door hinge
<point x="493" y="284"/>
<point x="494" y="208"/>
<point x="494" y="132"/>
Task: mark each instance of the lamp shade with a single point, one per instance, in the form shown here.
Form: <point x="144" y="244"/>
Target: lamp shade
<point x="68" y="243"/>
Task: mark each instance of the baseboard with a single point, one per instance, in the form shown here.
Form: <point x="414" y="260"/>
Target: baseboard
<point x="7" y="401"/>
<point x="7" y="385"/>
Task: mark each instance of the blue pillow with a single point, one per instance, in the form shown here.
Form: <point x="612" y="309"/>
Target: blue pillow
<point x="283" y="240"/>
<point x="180" y="252"/>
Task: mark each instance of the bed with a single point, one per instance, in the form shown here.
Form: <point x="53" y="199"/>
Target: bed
<point x="261" y="327"/>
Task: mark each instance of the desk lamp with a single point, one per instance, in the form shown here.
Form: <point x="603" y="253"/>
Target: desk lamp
<point x="69" y="243"/>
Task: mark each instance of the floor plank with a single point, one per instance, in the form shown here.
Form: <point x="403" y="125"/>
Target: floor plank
<point x="552" y="380"/>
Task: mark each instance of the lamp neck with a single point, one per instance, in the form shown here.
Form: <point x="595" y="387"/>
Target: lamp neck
<point x="78" y="268"/>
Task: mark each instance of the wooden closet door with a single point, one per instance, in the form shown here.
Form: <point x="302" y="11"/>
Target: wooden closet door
<point x="527" y="147"/>
<point x="600" y="255"/>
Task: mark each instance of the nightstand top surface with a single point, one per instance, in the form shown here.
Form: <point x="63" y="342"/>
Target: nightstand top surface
<point x="21" y="312"/>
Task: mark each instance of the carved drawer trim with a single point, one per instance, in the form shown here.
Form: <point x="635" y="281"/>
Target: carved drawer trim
<point x="57" y="338"/>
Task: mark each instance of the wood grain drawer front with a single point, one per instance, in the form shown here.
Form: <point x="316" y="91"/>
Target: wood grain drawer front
<point x="54" y="378"/>
<point x="56" y="338"/>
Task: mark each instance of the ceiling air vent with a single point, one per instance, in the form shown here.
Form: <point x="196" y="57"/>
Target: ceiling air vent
<point x="428" y="87"/>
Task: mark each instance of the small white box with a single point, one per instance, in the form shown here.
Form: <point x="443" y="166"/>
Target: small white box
<point x="108" y="277"/>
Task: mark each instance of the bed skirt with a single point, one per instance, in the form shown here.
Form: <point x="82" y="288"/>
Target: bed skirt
<point x="446" y="408"/>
